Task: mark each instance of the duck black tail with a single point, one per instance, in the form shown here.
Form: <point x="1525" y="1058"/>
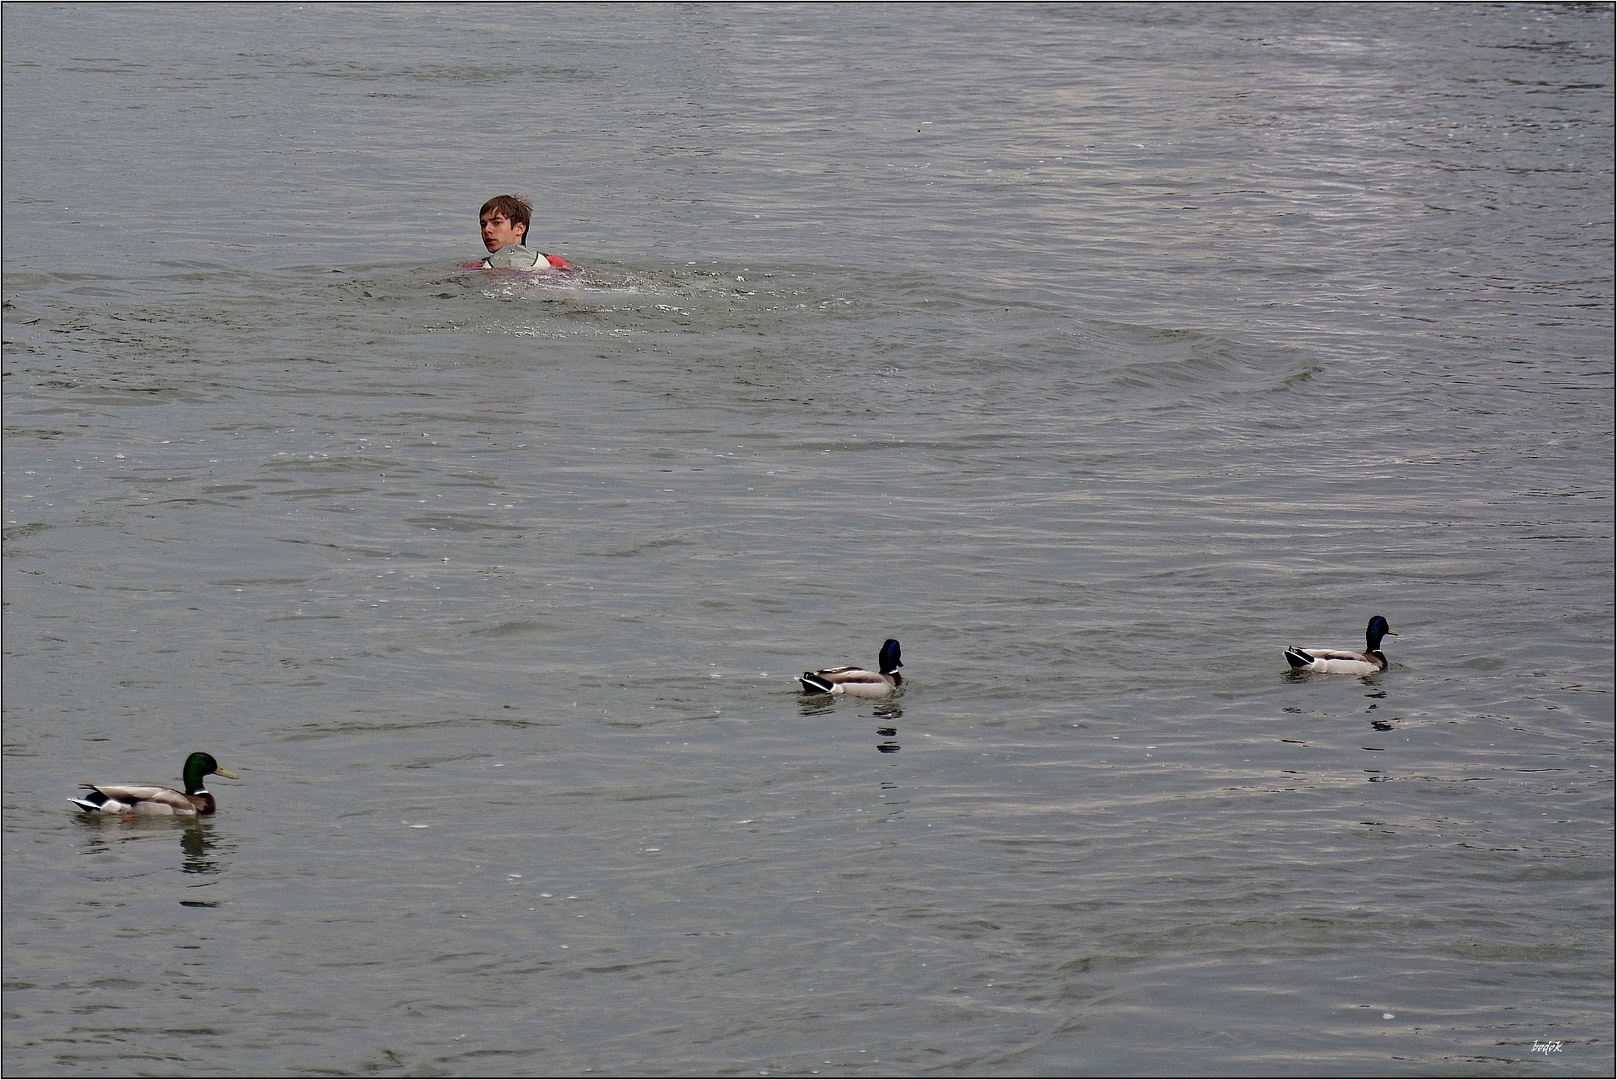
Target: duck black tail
<point x="91" y="802"/>
<point x="1297" y="658"/>
<point x="813" y="684"/>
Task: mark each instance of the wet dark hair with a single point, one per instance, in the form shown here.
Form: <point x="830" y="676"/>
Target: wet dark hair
<point x="512" y="208"/>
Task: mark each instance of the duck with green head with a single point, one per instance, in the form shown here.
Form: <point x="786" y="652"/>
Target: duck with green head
<point x="858" y="681"/>
<point x="1342" y="661"/>
<point x="151" y="800"/>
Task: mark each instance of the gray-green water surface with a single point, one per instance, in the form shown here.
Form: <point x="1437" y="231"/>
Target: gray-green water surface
<point x="1097" y="354"/>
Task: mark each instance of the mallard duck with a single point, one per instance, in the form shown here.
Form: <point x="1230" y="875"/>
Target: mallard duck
<point x="855" y="681"/>
<point x="1341" y="662"/>
<point x="152" y="800"/>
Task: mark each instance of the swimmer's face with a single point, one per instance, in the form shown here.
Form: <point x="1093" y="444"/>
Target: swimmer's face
<point x="498" y="231"/>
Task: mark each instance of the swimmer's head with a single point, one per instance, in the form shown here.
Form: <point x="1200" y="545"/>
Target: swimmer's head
<point x="505" y="221"/>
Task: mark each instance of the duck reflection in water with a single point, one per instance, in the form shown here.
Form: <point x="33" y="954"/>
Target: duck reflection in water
<point x="889" y="713"/>
<point x="199" y="849"/>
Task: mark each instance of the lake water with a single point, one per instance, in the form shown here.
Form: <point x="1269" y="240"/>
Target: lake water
<point x="1097" y="354"/>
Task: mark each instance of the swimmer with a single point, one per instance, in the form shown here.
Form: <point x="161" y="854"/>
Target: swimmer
<point x="505" y="233"/>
